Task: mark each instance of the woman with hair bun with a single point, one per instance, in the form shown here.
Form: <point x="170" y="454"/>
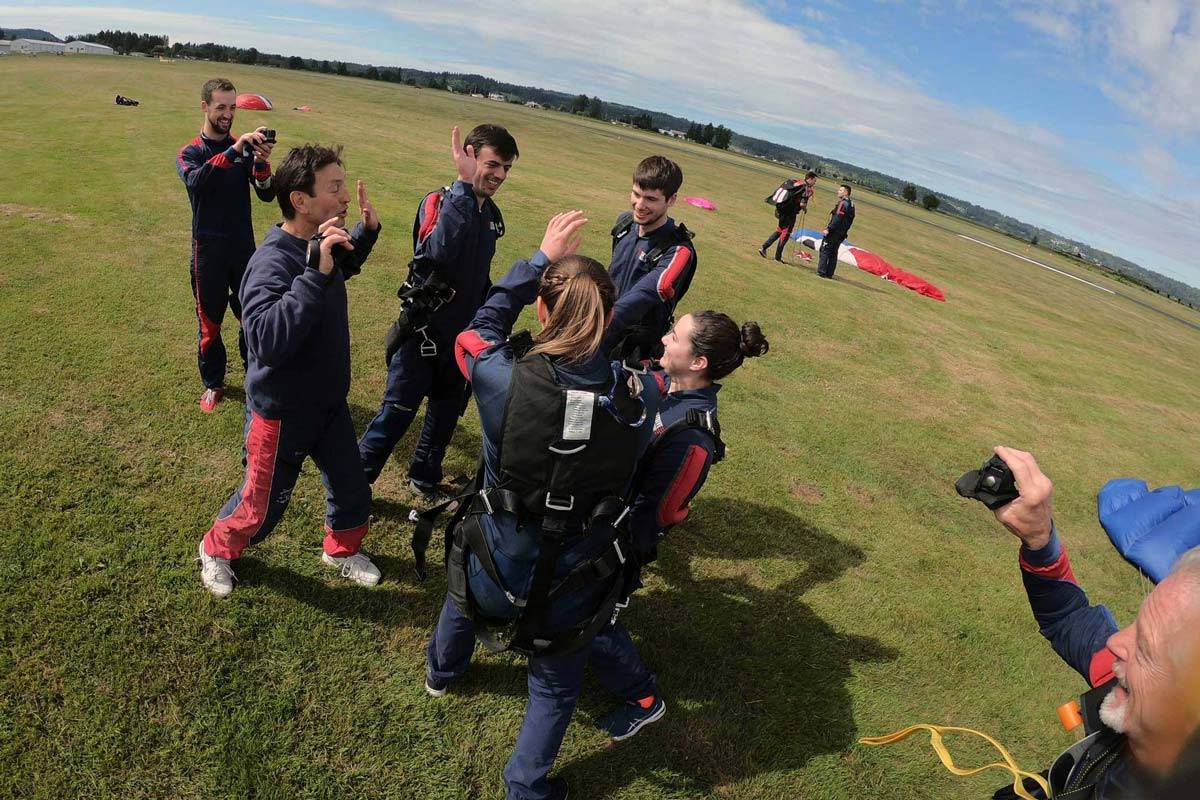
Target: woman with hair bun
<point x="699" y="350"/>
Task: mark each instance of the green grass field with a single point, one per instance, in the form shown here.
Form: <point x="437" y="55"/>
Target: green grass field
<point x="829" y="584"/>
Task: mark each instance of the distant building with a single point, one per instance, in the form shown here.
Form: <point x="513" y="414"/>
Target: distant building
<point x="138" y="55"/>
<point x="476" y="94"/>
<point x="674" y="133"/>
<point x="88" y="48"/>
<point x="499" y="98"/>
<point x="36" y="46"/>
<point x="533" y="104"/>
<point x="5" y="47"/>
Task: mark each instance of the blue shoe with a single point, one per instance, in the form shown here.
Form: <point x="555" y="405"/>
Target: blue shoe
<point x="631" y="718"/>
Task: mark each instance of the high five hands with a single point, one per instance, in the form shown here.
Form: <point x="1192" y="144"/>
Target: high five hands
<point x="562" y="236"/>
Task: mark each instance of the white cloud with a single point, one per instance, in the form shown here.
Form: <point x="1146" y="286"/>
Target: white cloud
<point x="739" y="65"/>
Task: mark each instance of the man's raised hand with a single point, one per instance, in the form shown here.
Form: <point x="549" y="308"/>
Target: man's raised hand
<point x="562" y="235"/>
<point x="369" y="217"/>
<point x="1030" y="516"/>
<point x="464" y="160"/>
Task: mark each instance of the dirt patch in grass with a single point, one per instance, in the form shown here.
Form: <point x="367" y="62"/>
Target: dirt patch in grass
<point x="808" y="492"/>
<point x="863" y="496"/>
<point x="37" y="214"/>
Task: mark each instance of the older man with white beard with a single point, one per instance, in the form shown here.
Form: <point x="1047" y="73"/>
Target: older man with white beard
<point x="1155" y="706"/>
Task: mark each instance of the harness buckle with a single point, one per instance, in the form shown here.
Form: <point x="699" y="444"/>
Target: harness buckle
<point x="429" y="347"/>
<point x="620" y="555"/>
<point x="512" y="598"/>
<point x="557" y="504"/>
<point x="617" y="522"/>
<point x="617" y="610"/>
<point x="486" y="502"/>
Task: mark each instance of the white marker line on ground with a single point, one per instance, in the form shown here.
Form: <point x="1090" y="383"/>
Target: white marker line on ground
<point x="1038" y="263"/>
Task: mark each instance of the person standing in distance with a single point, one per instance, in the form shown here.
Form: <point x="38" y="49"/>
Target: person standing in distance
<point x="217" y="170"/>
<point x="455" y="239"/>
<point x="840" y="220"/>
<point x="793" y="204"/>
<point x="298" y="337"/>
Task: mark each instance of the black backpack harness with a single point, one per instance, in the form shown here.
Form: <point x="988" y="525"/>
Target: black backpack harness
<point x="427" y="287"/>
<point x="641" y="341"/>
<point x="571" y="477"/>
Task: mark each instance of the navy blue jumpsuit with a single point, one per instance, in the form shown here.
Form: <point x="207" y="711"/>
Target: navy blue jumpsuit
<point x="297" y="325"/>
<point x="554" y="681"/>
<point x="460" y="237"/>
<point x="218" y="182"/>
<point x="650" y="289"/>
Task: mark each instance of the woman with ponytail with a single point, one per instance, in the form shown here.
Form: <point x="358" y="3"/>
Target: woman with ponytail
<point x="699" y="350"/>
<point x="536" y="559"/>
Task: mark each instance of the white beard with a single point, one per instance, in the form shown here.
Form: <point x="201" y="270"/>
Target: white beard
<point x="1112" y="714"/>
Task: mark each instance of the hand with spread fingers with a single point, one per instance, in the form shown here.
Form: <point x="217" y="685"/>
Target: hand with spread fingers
<point x="1030" y="516"/>
<point x="562" y="236"/>
<point x="464" y="159"/>
<point x="369" y="217"/>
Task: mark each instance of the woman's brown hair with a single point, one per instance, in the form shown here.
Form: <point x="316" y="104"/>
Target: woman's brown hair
<point x="579" y="295"/>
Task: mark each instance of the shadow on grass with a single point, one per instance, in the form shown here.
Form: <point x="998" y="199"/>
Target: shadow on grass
<point x="399" y="600"/>
<point x="754" y="680"/>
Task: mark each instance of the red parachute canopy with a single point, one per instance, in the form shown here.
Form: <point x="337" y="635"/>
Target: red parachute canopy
<point x="869" y="262"/>
<point x="252" y="101"/>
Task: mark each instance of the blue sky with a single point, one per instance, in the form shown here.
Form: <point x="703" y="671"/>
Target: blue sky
<point x="1082" y="116"/>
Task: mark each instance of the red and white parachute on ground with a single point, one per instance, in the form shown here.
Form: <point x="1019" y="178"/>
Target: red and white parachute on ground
<point x="872" y="263"/>
<point x="252" y="101"/>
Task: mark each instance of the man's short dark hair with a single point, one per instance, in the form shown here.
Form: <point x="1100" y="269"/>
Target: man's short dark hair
<point x="496" y="137"/>
<point x="658" y="173"/>
<point x="809" y="174"/>
<point x="298" y="173"/>
<point x="215" y="85"/>
<point x="846" y="186"/>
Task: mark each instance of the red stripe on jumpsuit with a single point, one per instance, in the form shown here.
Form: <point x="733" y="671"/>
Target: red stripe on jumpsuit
<point x="209" y="330"/>
<point x="229" y="535"/>
<point x="345" y="542"/>
<point x="674" y="508"/>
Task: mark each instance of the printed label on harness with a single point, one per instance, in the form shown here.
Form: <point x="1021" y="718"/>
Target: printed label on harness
<point x="577" y="421"/>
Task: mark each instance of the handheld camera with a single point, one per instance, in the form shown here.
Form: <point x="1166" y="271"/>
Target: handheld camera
<point x="992" y="484"/>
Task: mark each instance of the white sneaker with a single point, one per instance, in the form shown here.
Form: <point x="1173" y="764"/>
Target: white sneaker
<point x="357" y="568"/>
<point x="215" y="573"/>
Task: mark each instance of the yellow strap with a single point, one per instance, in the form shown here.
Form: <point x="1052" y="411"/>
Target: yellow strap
<point x="935" y="739"/>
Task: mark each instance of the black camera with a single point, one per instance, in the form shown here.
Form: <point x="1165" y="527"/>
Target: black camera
<point x="343" y="259"/>
<point x="268" y="138"/>
<point x="992" y="484"/>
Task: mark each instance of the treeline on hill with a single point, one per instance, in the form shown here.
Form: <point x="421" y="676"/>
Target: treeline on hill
<point x="716" y="136"/>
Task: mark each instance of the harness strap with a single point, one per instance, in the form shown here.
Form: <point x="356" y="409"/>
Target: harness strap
<point x="935" y="740"/>
<point x="529" y="623"/>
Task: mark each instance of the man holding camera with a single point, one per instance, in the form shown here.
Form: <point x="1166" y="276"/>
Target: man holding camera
<point x="454" y="239"/>
<point x="1153" y="708"/>
<point x="217" y="171"/>
<point x="298" y="337"/>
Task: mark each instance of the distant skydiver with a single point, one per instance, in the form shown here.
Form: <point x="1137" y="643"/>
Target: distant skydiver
<point x="217" y="171"/>
<point x="790" y="200"/>
<point x="840" y="220"/>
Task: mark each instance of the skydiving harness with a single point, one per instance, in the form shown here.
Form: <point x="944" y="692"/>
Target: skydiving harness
<point x="1074" y="775"/>
<point x="641" y="341"/>
<point x="570" y="476"/>
<point x="427" y="287"/>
